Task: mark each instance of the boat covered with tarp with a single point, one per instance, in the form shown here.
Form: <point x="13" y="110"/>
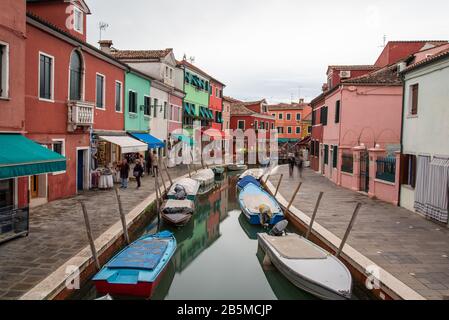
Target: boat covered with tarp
<point x="177" y="212"/>
<point x="185" y="188"/>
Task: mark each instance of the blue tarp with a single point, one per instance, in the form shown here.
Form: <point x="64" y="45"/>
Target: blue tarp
<point x="247" y="180"/>
<point x="152" y="142"/>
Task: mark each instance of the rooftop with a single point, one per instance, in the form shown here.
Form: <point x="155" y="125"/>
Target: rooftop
<point x="385" y="76"/>
<point x="141" y="54"/>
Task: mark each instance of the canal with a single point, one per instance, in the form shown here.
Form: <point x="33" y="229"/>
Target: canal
<point x="217" y="257"/>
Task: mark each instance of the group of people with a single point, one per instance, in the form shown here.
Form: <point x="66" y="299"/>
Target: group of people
<point x="297" y="160"/>
<point x="150" y="165"/>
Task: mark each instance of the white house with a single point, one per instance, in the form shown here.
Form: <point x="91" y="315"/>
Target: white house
<point x="425" y="137"/>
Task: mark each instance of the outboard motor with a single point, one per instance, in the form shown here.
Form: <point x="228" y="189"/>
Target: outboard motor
<point x="180" y="192"/>
<point x="279" y="229"/>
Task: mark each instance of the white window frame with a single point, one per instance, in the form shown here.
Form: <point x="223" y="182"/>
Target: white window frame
<point x="104" y="92"/>
<point x="4" y="77"/>
<point x="256" y="125"/>
<point x="238" y="124"/>
<point x="63" y="152"/>
<point x="281" y="116"/>
<point x="287" y="116"/>
<point x="52" y="99"/>
<point x="410" y="100"/>
<point x="289" y="129"/>
<point x="298" y="115"/>
<point x="76" y="11"/>
<point x="121" y="95"/>
<point x="149" y="110"/>
<point x="298" y="129"/>
<point x="137" y="103"/>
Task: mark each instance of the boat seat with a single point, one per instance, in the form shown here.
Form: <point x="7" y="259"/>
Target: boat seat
<point x="295" y="247"/>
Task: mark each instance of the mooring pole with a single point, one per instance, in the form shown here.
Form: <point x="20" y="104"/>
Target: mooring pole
<point x="190" y="173"/>
<point x="158" y="192"/>
<point x="294" y="196"/>
<point x="351" y="224"/>
<point x="162" y="178"/>
<point x="309" y="230"/>
<point x="279" y="184"/>
<point x="89" y="236"/>
<point x="266" y="180"/>
<point x="168" y="174"/>
<point x="122" y="216"/>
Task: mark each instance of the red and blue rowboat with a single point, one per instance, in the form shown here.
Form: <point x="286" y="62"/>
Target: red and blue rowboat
<point x="137" y="270"/>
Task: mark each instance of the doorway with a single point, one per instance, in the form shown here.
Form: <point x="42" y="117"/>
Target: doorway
<point x="38" y="190"/>
<point x="82" y="169"/>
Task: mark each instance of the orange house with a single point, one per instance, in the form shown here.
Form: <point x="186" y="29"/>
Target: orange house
<point x="292" y="120"/>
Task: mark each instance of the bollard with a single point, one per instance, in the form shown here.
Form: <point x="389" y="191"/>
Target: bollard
<point x="89" y="236"/>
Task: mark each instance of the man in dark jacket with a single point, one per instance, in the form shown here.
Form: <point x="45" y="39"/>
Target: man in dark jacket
<point x="138" y="172"/>
<point x="124" y="174"/>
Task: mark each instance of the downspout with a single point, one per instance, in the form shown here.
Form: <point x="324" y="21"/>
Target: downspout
<point x="402" y="137"/>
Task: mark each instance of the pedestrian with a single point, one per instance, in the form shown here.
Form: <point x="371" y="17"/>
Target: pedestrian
<point x="291" y="163"/>
<point x="155" y="164"/>
<point x="142" y="162"/>
<point x="300" y="163"/>
<point x="138" y="172"/>
<point x="124" y="174"/>
<point x="149" y="163"/>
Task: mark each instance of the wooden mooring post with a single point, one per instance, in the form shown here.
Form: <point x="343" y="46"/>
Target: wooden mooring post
<point x="279" y="184"/>
<point x="348" y="230"/>
<point x="190" y="173"/>
<point x="168" y="174"/>
<point x="90" y="236"/>
<point x="162" y="178"/>
<point x="294" y="196"/>
<point x="312" y="220"/>
<point x="122" y="216"/>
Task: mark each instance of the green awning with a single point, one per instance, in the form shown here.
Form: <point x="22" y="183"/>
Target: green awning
<point x="203" y="112"/>
<point x="192" y="110"/>
<point x="211" y="114"/>
<point x="21" y="157"/>
<point x="187" y="108"/>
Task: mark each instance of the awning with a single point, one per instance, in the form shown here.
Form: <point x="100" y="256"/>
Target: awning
<point x="210" y="114"/>
<point x="203" y="112"/>
<point x="21" y="157"/>
<point x="187" y="108"/>
<point x="152" y="142"/>
<point x="127" y="144"/>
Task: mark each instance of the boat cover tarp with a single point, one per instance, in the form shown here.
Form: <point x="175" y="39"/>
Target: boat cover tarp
<point x="143" y="254"/>
<point x="20" y="157"/>
<point x="205" y="176"/>
<point x="253" y="198"/>
<point x="191" y="186"/>
<point x="178" y="206"/>
<point x="295" y="247"/>
<point x="247" y="180"/>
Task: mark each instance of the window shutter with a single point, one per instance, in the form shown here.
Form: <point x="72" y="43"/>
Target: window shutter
<point x="335" y="156"/>
<point x="415" y="89"/>
<point x="337" y="111"/>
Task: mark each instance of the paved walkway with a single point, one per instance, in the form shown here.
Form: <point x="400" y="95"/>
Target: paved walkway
<point x="57" y="233"/>
<point x="411" y="248"/>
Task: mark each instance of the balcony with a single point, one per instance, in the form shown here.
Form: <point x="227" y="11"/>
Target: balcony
<point x="80" y="115"/>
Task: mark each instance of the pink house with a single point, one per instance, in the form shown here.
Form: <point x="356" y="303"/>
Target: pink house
<point x="361" y="120"/>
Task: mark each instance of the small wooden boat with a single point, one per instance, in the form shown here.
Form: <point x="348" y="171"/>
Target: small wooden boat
<point x="137" y="269"/>
<point x="256" y="173"/>
<point x="307" y="266"/>
<point x="190" y="187"/>
<point x="258" y="206"/>
<point x="247" y="180"/>
<point x="204" y="177"/>
<point x="237" y="167"/>
<point x="177" y="212"/>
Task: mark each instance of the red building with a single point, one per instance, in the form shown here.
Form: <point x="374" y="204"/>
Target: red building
<point x="216" y="103"/>
<point x="317" y="133"/>
<point x="71" y="88"/>
<point x="251" y="115"/>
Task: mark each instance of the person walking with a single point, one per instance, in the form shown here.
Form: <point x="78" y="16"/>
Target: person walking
<point x="155" y="164"/>
<point x="138" y="172"/>
<point x="124" y="174"/>
<point x="149" y="163"/>
<point x="300" y="163"/>
<point x="142" y="162"/>
<point x="291" y="164"/>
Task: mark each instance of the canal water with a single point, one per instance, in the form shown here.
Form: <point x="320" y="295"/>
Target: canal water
<point x="217" y="256"/>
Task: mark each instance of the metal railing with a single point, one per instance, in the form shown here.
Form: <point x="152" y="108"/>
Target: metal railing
<point x="386" y="169"/>
<point x="347" y="163"/>
<point x="13" y="223"/>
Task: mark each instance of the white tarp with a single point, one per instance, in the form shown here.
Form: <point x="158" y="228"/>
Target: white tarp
<point x="126" y="143"/>
<point x="190" y="185"/>
<point x="204" y="177"/>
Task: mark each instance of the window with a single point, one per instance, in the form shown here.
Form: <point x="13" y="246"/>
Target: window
<point x="241" y="124"/>
<point x="100" y="92"/>
<point x="274" y="115"/>
<point x="314" y="117"/>
<point x="289" y="116"/>
<point x="146" y="105"/>
<point x="337" y="111"/>
<point x="266" y="125"/>
<point x="334" y="156"/>
<point x="280" y="130"/>
<point x="272" y="126"/>
<point x="298" y="117"/>
<point x="281" y="116"/>
<point x="256" y="125"/>
<point x="58" y="147"/>
<point x="132" y="103"/>
<point x="171" y="73"/>
<point x="298" y="130"/>
<point x="323" y="116"/>
<point x="4" y="70"/>
<point x="78" y="20"/>
<point x="262" y="124"/>
<point x="165" y="109"/>
<point x="6" y="193"/>
<point x="414" y="99"/>
<point x="408" y="170"/>
<point x="166" y="72"/>
<point x="155" y="101"/>
<point x="118" y="96"/>
<point x="309" y="129"/>
<point x="326" y="154"/>
<point x="289" y="130"/>
<point x="217" y="93"/>
<point x="46" y="77"/>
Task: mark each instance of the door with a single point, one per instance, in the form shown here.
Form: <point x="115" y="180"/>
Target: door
<point x="34" y="187"/>
<point x="364" y="172"/>
<point x="80" y="170"/>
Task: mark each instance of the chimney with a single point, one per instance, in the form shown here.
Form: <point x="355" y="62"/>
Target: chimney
<point x="301" y="100"/>
<point x="105" y="45"/>
<point x="325" y="87"/>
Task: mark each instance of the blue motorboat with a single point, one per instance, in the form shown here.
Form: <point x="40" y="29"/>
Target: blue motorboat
<point x="259" y="207"/>
<point x="247" y="180"/>
<point x="137" y="269"/>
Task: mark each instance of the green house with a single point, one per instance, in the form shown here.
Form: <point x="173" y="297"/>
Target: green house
<point x="137" y="102"/>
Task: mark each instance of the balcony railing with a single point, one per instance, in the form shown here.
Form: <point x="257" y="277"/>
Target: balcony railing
<point x="13" y="223"/>
<point x="80" y="114"/>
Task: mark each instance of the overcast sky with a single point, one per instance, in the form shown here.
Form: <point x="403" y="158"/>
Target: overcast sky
<point x="268" y="48"/>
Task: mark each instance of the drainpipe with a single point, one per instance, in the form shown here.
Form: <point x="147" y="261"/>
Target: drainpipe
<point x="402" y="137"/>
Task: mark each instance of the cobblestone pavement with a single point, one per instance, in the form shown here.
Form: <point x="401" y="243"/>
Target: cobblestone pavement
<point x="411" y="248"/>
<point x="57" y="233"/>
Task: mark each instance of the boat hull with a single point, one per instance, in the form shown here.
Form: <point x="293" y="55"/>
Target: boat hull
<point x="299" y="281"/>
<point x="179" y="221"/>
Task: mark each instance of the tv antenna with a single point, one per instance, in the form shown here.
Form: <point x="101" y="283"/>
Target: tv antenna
<point x="384" y="41"/>
<point x="102" y="26"/>
<point x="192" y="60"/>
